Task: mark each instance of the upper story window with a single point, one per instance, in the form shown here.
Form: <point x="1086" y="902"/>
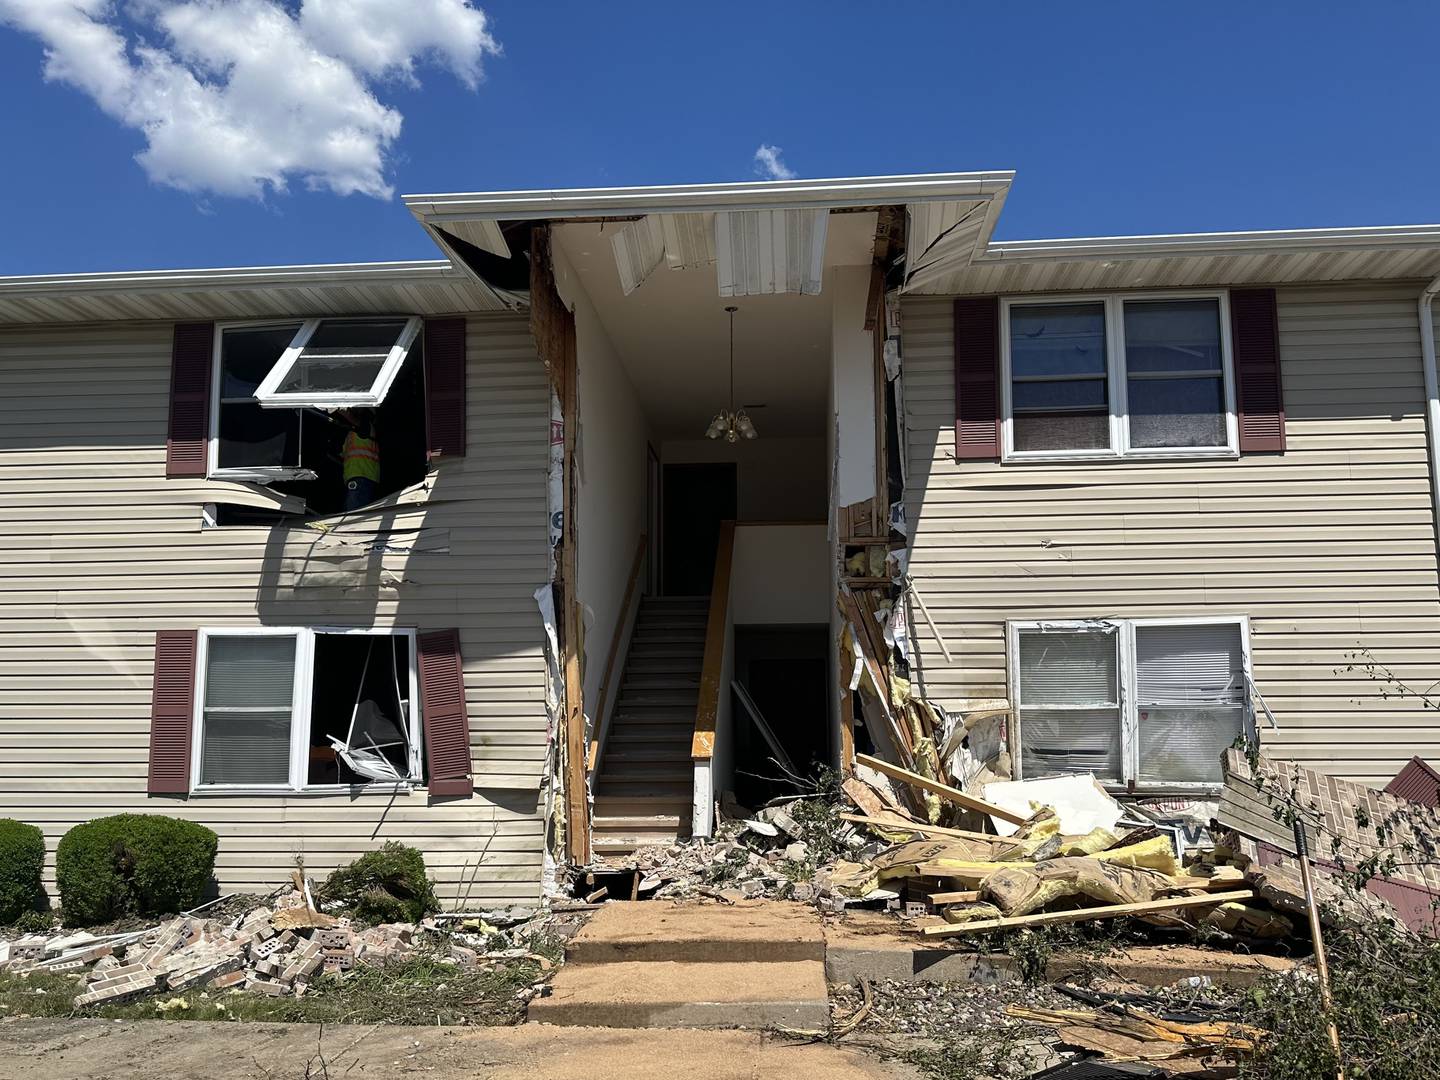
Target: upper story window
<point x="1118" y="376"/>
<point x="330" y="410"/>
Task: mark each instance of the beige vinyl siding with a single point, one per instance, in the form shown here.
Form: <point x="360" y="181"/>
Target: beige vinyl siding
<point x="1328" y="548"/>
<point x="98" y="550"/>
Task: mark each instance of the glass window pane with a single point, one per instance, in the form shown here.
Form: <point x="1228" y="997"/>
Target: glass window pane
<point x="1189" y="665"/>
<point x="246" y="747"/>
<point x="1184" y="745"/>
<point x="253" y="436"/>
<point x="1172" y="335"/>
<point x="247" y="355"/>
<point x="342" y="356"/>
<point x="1057" y="339"/>
<point x="1177" y="412"/>
<point x="250" y="671"/>
<point x="1068" y="668"/>
<point x="1063" y="394"/>
<point x="249" y="688"/>
<point x="1070" y="740"/>
<point x="1062" y="431"/>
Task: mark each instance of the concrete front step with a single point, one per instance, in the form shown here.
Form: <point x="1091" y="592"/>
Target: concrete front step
<point x="747" y="932"/>
<point x="672" y="994"/>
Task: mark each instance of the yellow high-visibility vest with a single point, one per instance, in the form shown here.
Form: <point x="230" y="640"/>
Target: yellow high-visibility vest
<point x="361" y="458"/>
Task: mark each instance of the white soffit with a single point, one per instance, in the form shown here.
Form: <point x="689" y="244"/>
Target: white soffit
<point x="421" y="288"/>
<point x="764" y="252"/>
<point x="941" y="236"/>
<point x="639" y="248"/>
<point x="484" y="233"/>
<point x="689" y="240"/>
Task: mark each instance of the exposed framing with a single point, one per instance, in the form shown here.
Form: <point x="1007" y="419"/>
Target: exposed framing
<point x="1124" y="632"/>
<point x="1117" y="384"/>
<point x="300" y="715"/>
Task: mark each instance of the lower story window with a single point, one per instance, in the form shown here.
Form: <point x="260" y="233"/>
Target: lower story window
<point x="1153" y="703"/>
<point x="295" y="709"/>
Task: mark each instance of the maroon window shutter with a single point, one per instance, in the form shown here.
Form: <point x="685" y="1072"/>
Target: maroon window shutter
<point x="445" y="386"/>
<point x="172" y="709"/>
<point x="977" y="377"/>
<point x="442" y="708"/>
<point x="191" y="358"/>
<point x="1255" y="337"/>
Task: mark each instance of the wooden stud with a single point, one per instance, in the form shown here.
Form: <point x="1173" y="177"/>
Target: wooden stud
<point x="1110" y="911"/>
<point x="945" y="791"/>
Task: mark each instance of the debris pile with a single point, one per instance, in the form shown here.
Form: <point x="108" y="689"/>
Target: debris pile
<point x="278" y="948"/>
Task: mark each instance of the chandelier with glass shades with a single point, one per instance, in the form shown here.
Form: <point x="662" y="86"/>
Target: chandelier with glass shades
<point x="731" y="424"/>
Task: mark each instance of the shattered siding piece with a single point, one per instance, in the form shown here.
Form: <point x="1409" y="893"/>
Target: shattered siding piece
<point x="689" y="240"/>
<point x="639" y="247"/>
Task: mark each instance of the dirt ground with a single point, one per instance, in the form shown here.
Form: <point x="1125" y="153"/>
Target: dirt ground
<point x="180" y="1050"/>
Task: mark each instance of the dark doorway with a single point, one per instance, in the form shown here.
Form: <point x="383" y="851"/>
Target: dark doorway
<point x="785" y="671"/>
<point x="697" y="498"/>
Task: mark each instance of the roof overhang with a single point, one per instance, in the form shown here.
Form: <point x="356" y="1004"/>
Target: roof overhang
<point x="425" y="287"/>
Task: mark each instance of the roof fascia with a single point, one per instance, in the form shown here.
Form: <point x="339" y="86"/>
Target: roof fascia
<point x="419" y="272"/>
<point x="1183" y="245"/>
<point x="708" y="198"/>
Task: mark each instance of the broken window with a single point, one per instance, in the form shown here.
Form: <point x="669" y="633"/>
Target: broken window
<point x="311" y="407"/>
<point x="1118" y="377"/>
<point x="298" y="709"/>
<point x="1150" y="703"/>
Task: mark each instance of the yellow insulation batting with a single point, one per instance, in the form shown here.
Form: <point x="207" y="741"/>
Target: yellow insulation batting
<point x="1153" y="854"/>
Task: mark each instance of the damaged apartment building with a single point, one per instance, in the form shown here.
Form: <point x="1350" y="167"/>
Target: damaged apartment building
<point x="638" y="501"/>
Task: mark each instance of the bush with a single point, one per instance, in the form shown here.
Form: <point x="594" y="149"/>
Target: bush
<point x="382" y="886"/>
<point x="22" y="860"/>
<point x="132" y="864"/>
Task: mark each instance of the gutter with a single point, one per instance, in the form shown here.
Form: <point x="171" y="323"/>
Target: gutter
<point x="1432" y="394"/>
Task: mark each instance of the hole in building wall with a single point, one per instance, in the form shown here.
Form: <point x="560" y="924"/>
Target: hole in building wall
<point x="360" y="698"/>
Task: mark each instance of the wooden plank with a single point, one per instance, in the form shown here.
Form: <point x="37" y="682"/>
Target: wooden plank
<point x="964" y="896"/>
<point x="702" y="742"/>
<point x="899" y="825"/>
<point x="1110" y="911"/>
<point x="606" y="680"/>
<point x="945" y="791"/>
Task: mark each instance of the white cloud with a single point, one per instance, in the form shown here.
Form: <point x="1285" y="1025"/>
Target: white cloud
<point x="240" y="97"/>
<point x="768" y="162"/>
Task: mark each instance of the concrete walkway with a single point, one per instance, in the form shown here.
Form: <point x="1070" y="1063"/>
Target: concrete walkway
<point x="187" y="1050"/>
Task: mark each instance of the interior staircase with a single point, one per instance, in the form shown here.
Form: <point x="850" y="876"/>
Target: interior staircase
<point x="645" y="778"/>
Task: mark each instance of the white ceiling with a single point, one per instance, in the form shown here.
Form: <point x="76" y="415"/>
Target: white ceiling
<point x="672" y="335"/>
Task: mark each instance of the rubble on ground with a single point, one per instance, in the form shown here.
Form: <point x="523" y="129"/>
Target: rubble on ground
<point x="278" y="948"/>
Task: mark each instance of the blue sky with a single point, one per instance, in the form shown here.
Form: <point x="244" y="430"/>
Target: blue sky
<point x="1118" y="117"/>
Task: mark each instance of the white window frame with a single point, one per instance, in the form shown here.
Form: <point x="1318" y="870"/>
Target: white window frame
<point x="1124" y="631"/>
<point x="268" y="395"/>
<point x="213" y="471"/>
<point x="1117" y="383"/>
<point x="300" y="714"/>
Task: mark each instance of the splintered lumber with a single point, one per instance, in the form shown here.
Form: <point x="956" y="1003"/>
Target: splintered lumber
<point x="966" y="896"/>
<point x="945" y="791"/>
<point x="900" y="825"/>
<point x="1109" y="911"/>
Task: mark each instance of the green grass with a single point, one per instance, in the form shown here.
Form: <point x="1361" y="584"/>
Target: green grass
<point x="419" y="990"/>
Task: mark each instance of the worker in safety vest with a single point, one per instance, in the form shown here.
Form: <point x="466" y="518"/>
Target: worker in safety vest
<point x="360" y="462"/>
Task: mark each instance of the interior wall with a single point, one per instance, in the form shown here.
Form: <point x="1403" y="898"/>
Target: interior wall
<point x="781" y="575"/>
<point x="780" y="479"/>
<point x="611" y="479"/>
<point x="852" y="351"/>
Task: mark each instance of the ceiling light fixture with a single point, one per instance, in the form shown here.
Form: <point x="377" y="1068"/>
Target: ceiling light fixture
<point x="731" y="424"/>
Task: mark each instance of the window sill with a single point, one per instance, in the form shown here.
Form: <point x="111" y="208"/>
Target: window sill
<point x="318" y="789"/>
<point x="1047" y="458"/>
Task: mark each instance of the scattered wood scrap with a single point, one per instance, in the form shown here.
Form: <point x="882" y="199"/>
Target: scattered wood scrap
<point x="1108" y="911"/>
<point x="945" y="791"/>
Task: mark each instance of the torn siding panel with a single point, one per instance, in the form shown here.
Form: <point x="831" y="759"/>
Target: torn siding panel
<point x="123" y="554"/>
<point x="1326" y="549"/>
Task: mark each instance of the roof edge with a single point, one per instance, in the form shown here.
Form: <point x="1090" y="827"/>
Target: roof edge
<point x="233" y="277"/>
<point x="707" y="198"/>
<point x="1160" y="245"/>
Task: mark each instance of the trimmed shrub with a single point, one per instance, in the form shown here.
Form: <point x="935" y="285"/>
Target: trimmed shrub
<point x="388" y="885"/>
<point x="22" y="861"/>
<point x="132" y="864"/>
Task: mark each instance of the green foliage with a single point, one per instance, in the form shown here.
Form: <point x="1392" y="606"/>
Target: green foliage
<point x="22" y="859"/>
<point x="140" y="864"/>
<point x="387" y="885"/>
<point x="1386" y="988"/>
<point x="995" y="1053"/>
